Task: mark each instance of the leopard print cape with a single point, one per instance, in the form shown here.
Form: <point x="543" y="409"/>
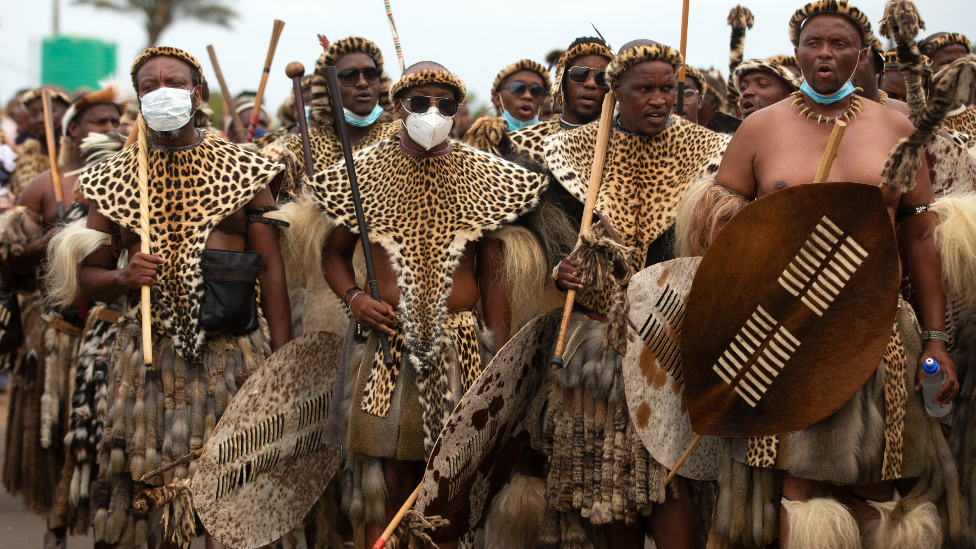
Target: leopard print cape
<point x="31" y="162"/>
<point x="964" y="122"/>
<point x="643" y="179"/>
<point x="191" y="191"/>
<point x="424" y="211"/>
<point x="528" y="141"/>
<point x="326" y="148"/>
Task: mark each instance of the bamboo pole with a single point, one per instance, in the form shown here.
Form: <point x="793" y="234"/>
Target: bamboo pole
<point x="684" y="56"/>
<point x="235" y="120"/>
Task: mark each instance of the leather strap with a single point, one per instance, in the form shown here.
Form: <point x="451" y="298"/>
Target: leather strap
<point x="108" y="315"/>
<point x="254" y="216"/>
<point x="910" y="210"/>
<point x="64" y="326"/>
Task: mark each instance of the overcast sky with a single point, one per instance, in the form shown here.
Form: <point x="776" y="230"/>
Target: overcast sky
<point x="473" y="39"/>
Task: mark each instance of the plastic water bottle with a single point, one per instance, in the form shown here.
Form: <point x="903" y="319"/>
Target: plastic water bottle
<point x="931" y="384"/>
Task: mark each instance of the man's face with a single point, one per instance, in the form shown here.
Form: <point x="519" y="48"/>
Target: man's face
<point x="944" y="56"/>
<point x="434" y="91"/>
<point x="168" y="72"/>
<point x="245" y="115"/>
<point x="16" y="111"/>
<point x="101" y="118"/>
<point x="36" y="111"/>
<point x="646" y="93"/>
<point x="360" y="90"/>
<point x="585" y="100"/>
<point x="525" y="104"/>
<point x="693" y="100"/>
<point x="760" y="90"/>
<point x="829" y="51"/>
<point x="709" y="106"/>
<point x="893" y="83"/>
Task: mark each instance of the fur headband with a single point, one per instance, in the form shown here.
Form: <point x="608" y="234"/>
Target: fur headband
<point x="320" y="106"/>
<point x="579" y="50"/>
<point x="639" y="54"/>
<point x="112" y="92"/>
<point x="523" y="65"/>
<point x="168" y="52"/>
<point x="930" y="47"/>
<point x="698" y="77"/>
<point x="775" y="69"/>
<point x="784" y="60"/>
<point x="837" y="7"/>
<point x="428" y="76"/>
<point x="56" y="95"/>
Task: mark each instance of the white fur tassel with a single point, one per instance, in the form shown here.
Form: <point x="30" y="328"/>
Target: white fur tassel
<point x="516" y="514"/>
<point x="820" y="523"/>
<point x="919" y="528"/>
<point x="955" y="238"/>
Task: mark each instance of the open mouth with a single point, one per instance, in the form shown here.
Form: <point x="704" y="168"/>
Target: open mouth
<point x="587" y="100"/>
<point x="524" y="110"/>
<point x="656" y="117"/>
<point x="364" y="96"/>
<point x="748" y="106"/>
<point x="825" y="71"/>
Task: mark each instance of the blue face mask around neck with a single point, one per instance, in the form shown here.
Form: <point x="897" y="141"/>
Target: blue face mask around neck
<point x="843" y="92"/>
<point x="362" y="121"/>
<point x="516" y="124"/>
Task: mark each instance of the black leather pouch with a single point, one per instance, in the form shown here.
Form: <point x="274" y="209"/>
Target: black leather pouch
<point x="230" y="291"/>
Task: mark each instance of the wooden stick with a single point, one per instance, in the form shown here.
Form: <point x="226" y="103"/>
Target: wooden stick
<point x="683" y="457"/>
<point x="833" y="144"/>
<point x="144" y="234"/>
<point x="192" y="456"/>
<point x="396" y="37"/>
<point x="296" y="71"/>
<point x="380" y="543"/>
<point x="596" y="178"/>
<point x="235" y="120"/>
<point x="680" y="110"/>
<point x="52" y="152"/>
<point x="256" y="111"/>
<point x="332" y="81"/>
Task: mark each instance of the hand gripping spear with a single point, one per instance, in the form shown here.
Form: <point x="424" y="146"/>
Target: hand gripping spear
<point x="332" y="81"/>
<point x="52" y="152"/>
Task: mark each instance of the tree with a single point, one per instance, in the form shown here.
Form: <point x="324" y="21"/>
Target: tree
<point x="160" y="14"/>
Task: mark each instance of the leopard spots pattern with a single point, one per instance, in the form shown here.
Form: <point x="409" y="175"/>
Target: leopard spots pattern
<point x="326" y="148"/>
<point x="964" y="122"/>
<point x="528" y="141"/>
<point x="896" y="395"/>
<point x="762" y="451"/>
<point x="191" y="191"/>
<point x="31" y="163"/>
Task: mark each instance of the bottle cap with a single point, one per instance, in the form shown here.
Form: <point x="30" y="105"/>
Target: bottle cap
<point x="930" y="366"/>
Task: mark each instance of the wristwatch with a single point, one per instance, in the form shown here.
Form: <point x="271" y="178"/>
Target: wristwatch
<point x="933" y="334"/>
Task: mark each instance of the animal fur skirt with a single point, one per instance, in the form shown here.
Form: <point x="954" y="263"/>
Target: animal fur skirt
<point x="390" y="414"/>
<point x="882" y="433"/>
<point x="598" y="467"/>
<point x="158" y="414"/>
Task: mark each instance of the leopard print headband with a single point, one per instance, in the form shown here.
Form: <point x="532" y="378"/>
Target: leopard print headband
<point x="428" y="76"/>
<point x="639" y="54"/>
<point x="523" y="65"/>
<point x="168" y="52"/>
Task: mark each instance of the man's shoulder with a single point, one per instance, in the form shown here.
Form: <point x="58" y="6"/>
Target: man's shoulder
<point x="889" y="117"/>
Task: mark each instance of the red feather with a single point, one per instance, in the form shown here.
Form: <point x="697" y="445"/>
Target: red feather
<point x="324" y="41"/>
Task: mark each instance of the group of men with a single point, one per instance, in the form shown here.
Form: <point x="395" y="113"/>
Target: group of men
<point x="474" y="235"/>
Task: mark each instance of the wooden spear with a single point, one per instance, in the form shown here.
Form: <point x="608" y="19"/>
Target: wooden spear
<point x="256" y="111"/>
<point x="52" y="152"/>
<point x="396" y="37"/>
<point x="235" y="121"/>
<point x="680" y="111"/>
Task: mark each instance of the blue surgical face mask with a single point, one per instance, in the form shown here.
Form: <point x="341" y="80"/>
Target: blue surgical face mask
<point x="843" y="92"/>
<point x="363" y="121"/>
<point x="308" y="112"/>
<point x="516" y="124"/>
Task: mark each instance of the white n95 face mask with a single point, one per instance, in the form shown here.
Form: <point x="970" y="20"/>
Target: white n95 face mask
<point x="428" y="129"/>
<point x="167" y="109"/>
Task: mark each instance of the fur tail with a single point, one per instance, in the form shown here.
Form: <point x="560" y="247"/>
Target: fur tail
<point x="67" y="249"/>
<point x="516" y="514"/>
<point x="820" y="523"/>
<point x="920" y="528"/>
<point x="740" y="19"/>
<point x="955" y="239"/>
<point x="301" y="244"/>
<point x="704" y="209"/>
<point x="489" y="134"/>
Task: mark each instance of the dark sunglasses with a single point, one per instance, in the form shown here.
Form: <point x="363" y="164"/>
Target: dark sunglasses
<point x="421" y="103"/>
<point x="581" y="74"/>
<point x="518" y="90"/>
<point x="350" y="77"/>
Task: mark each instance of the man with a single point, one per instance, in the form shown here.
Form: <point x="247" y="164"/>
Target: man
<point x="639" y="204"/>
<point x="429" y="203"/>
<point x="713" y="100"/>
<point x="207" y="198"/>
<point x="518" y="92"/>
<point x="244" y="104"/>
<point x="787" y="61"/>
<point x="892" y="81"/>
<point x="694" y="94"/>
<point x="32" y="159"/>
<point x="944" y="48"/>
<point x="868" y="75"/>
<point x="778" y="148"/>
<point x="760" y="83"/>
<point x="18" y="113"/>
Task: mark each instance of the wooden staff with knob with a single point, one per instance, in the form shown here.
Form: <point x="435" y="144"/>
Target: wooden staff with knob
<point x="680" y="111"/>
<point x="259" y="97"/>
<point x="296" y="71"/>
<point x="52" y="152"/>
<point x="144" y="234"/>
<point x="235" y="120"/>
<point x="833" y="144"/>
<point x="596" y="178"/>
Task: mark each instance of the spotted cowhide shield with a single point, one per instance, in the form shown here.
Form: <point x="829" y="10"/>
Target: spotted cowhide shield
<point x="790" y="310"/>
<point x="481" y="443"/>
<point x="652" y="369"/>
<point x="265" y="464"/>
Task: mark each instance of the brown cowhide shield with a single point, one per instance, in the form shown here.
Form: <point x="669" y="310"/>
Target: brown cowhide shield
<point x="479" y="446"/>
<point x="653" y="375"/>
<point x="265" y="464"/>
<point x="790" y="311"/>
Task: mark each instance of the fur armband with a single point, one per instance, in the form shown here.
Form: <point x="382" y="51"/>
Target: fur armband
<point x="705" y="208"/>
<point x="73" y="243"/>
<point x="17" y="229"/>
<point x="955" y="239"/>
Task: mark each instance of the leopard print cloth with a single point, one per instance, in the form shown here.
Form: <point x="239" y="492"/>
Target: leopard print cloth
<point x="528" y="141"/>
<point x="31" y="162"/>
<point x="964" y="122"/>
<point x="326" y="148"/>
<point x="643" y="179"/>
<point x="191" y="191"/>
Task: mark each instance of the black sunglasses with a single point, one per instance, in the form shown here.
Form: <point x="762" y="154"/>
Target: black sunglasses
<point x="421" y="103"/>
<point x="581" y="74"/>
<point x="350" y="77"/>
<point x="518" y="90"/>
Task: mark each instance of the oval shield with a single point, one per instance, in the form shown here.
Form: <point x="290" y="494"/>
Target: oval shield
<point x="790" y="311"/>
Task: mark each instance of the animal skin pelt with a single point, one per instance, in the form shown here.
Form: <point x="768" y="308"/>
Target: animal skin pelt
<point x="172" y="506"/>
<point x="490" y="135"/>
<point x="516" y="514"/>
<point x="301" y="244"/>
<point x="67" y="249"/>
<point x="820" y="523"/>
<point x="955" y="239"/>
<point x="702" y="212"/>
<point x="524" y="266"/>
<point x="17" y="230"/>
